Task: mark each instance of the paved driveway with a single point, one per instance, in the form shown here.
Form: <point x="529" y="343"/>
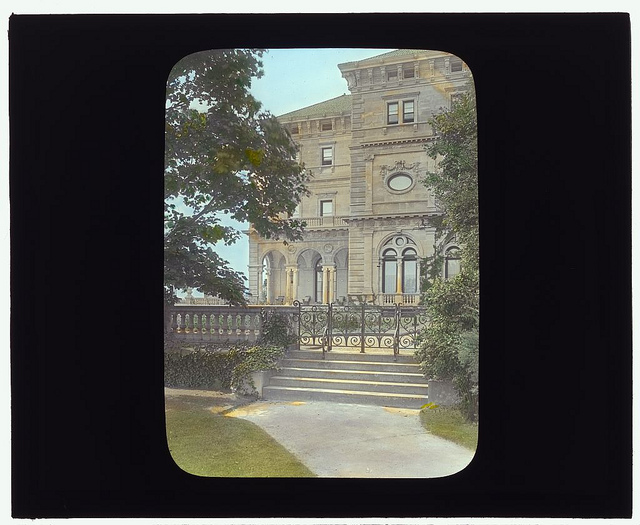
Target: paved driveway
<point x="342" y="440"/>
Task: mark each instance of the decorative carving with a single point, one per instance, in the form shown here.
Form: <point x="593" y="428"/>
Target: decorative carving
<point x="370" y="72"/>
<point x="291" y="248"/>
<point x="328" y="248"/>
<point x="401" y="165"/>
<point x="351" y="79"/>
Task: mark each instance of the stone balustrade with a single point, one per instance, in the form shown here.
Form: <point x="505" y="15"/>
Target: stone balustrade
<point x="220" y="323"/>
<point x="329" y="221"/>
<point x="395" y="298"/>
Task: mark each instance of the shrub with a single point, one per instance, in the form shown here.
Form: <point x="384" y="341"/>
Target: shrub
<point x="255" y="359"/>
<point x="216" y="367"/>
<point x="201" y="368"/>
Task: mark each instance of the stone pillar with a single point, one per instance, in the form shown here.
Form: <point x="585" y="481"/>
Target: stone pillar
<point x="331" y="293"/>
<point x="294" y="291"/>
<point x="260" y="291"/>
<point x="287" y="285"/>
<point x="399" y="270"/>
<point x="325" y="284"/>
<point x="267" y="292"/>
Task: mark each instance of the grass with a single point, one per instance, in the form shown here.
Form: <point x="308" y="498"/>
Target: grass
<point x="449" y="423"/>
<point x="208" y="444"/>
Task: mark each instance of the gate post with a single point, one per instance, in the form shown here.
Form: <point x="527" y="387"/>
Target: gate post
<point x="298" y="304"/>
<point x="396" y="334"/>
<point x="362" y="317"/>
<point x="329" y="327"/>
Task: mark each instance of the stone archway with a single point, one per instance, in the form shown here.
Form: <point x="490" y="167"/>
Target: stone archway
<point x="307" y="275"/>
<point x="273" y="278"/>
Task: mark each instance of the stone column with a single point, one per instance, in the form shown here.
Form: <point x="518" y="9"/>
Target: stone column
<point x="259" y="298"/>
<point x="399" y="270"/>
<point x="267" y="292"/>
<point x="294" y="291"/>
<point x="325" y="284"/>
<point x="287" y="285"/>
<point x="331" y="294"/>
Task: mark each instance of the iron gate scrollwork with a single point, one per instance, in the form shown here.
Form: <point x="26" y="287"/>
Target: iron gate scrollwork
<point x="359" y="326"/>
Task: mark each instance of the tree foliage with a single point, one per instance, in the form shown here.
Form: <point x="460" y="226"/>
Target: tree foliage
<point x="449" y="344"/>
<point x="223" y="155"/>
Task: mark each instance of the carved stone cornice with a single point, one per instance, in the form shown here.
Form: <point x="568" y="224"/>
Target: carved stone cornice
<point x="397" y="143"/>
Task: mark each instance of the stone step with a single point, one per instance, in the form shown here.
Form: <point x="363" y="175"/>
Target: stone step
<point x="340" y="364"/>
<point x="350" y="356"/>
<point x="361" y="375"/>
<point x="351" y="384"/>
<point x="284" y="393"/>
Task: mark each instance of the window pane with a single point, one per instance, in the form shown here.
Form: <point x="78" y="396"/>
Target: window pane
<point x="326" y="208"/>
<point x="452" y="268"/>
<point x="389" y="277"/>
<point x="408" y="73"/>
<point x="456" y="65"/>
<point x="400" y="182"/>
<point x="392" y="113"/>
<point x="327" y="156"/>
<point x="408" y="112"/>
<point x="410" y="276"/>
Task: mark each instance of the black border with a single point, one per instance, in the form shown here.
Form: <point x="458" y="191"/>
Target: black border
<point x="86" y="130"/>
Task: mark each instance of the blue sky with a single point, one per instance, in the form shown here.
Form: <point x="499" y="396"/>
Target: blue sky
<point x="293" y="79"/>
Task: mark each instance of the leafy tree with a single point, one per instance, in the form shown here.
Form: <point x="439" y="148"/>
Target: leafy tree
<point x="449" y="344"/>
<point x="223" y="155"/>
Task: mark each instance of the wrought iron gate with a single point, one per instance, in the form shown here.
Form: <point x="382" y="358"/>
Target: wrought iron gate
<point x="359" y="326"/>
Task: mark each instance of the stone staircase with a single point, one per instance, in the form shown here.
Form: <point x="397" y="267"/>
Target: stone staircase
<point x="367" y="379"/>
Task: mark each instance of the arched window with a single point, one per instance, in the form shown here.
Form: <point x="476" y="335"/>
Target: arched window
<point x="410" y="271"/>
<point x="399" y="270"/>
<point x="389" y="271"/>
<point x="318" y="282"/>
<point x="451" y="262"/>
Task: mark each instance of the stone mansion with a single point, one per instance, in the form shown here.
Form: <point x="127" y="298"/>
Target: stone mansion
<point x="367" y="212"/>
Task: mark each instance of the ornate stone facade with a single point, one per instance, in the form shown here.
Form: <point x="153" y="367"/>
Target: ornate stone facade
<point x="367" y="212"/>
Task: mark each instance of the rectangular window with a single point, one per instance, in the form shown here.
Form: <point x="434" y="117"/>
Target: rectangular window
<point x="392" y="75"/>
<point x="326" y="208"/>
<point x="326" y="126"/>
<point x="294" y="129"/>
<point x="456" y="66"/>
<point x="389" y="269"/>
<point x="392" y="113"/>
<point x="327" y="156"/>
<point x="407" y="111"/>
<point x="408" y="73"/>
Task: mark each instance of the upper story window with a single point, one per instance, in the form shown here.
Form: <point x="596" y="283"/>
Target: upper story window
<point x="326" y="208"/>
<point x="392" y="113"/>
<point x="392" y="75"/>
<point x="408" y="72"/>
<point x="408" y="112"/>
<point x="327" y="156"/>
<point x="326" y="125"/>
<point x="456" y="65"/>
<point x="294" y="129"/>
<point x="451" y="262"/>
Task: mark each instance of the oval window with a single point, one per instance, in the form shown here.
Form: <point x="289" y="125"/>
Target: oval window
<point x="400" y="182"/>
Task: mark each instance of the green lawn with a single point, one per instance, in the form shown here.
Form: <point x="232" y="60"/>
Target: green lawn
<point x="208" y="444"/>
<point x="448" y="423"/>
